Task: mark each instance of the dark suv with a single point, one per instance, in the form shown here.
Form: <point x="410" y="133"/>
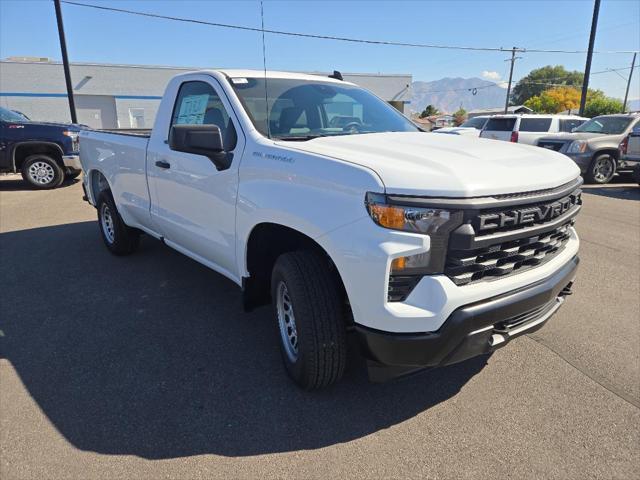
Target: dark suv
<point x="45" y="153"/>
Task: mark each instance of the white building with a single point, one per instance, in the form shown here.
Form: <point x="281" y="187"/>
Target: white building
<point x="124" y="96"/>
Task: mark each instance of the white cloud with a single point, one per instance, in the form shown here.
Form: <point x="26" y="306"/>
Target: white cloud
<point x="489" y="75"/>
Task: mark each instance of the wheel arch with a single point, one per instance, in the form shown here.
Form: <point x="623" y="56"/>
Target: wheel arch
<point x="22" y="150"/>
<point x="614" y="152"/>
<point x="265" y="243"/>
<point x="97" y="183"/>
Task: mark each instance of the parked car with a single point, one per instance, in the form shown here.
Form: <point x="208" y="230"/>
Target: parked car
<point x="528" y="128"/>
<point x="430" y="249"/>
<point x="44" y="153"/>
<point x="630" y="149"/>
<point x="594" y="145"/>
<point x="471" y="127"/>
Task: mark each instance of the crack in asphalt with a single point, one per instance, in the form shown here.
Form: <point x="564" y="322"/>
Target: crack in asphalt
<point x="596" y="378"/>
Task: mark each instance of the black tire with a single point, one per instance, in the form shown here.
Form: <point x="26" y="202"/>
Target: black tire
<point x="71" y="174"/>
<point x="41" y="171"/>
<point x="602" y="169"/>
<point x="636" y="174"/>
<point x="318" y="320"/>
<point x="118" y="237"/>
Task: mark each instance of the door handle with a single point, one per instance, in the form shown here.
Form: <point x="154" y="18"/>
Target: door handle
<point x="163" y="164"/>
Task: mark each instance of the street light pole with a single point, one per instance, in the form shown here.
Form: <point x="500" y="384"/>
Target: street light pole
<point x="626" y="93"/>
<point x="65" y="62"/>
<point x="587" y="68"/>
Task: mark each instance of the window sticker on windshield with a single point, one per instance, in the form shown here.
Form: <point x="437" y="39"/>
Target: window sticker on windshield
<point x="239" y="81"/>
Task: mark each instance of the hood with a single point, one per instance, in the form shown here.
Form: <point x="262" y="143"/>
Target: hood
<point x="446" y="165"/>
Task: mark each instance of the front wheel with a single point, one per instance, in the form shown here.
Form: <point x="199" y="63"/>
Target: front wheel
<point x="71" y="174"/>
<point x="117" y="236"/>
<point x="308" y="310"/>
<point x="42" y="172"/>
<point x="602" y="169"/>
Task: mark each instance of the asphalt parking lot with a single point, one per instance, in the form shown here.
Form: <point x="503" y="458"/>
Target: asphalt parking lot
<point x="146" y="367"/>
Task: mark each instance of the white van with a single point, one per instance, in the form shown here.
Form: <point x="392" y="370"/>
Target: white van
<point x="528" y="128"/>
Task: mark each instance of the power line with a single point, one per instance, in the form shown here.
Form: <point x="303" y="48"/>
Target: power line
<point x="327" y="37"/>
<point x="491" y="85"/>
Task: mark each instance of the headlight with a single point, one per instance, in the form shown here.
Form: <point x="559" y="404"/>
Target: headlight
<point x="577" y="146"/>
<point x="435" y="222"/>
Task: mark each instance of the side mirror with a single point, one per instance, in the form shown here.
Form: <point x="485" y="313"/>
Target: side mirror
<point x="573" y="129"/>
<point x="202" y="140"/>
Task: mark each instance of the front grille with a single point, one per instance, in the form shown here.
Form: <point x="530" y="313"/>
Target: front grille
<point x="551" y="145"/>
<point x="506" y="258"/>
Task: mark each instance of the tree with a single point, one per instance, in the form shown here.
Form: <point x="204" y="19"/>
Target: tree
<point x="555" y="100"/>
<point x="429" y="111"/>
<point x="459" y="117"/>
<point x="538" y="80"/>
<point x="602" y="106"/>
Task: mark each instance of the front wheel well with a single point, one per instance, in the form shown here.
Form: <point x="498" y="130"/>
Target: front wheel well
<point x="25" y="150"/>
<point x="607" y="151"/>
<point x="266" y="243"/>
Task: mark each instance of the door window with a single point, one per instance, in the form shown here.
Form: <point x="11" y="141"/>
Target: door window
<point x="199" y="104"/>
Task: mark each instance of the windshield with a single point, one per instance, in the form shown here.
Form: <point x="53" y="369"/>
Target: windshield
<point x="304" y="109"/>
<point x="476" y="123"/>
<point x="606" y="125"/>
<point x="9" y="116"/>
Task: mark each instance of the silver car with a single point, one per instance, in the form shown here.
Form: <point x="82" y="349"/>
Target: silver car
<point x="594" y="145"/>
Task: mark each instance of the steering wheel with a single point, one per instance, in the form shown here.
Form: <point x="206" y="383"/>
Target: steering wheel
<point x="352" y="127"/>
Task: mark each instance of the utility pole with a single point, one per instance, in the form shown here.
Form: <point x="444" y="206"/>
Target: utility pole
<point x="65" y="62"/>
<point x="626" y="93"/>
<point x="513" y="60"/>
<point x="587" y="68"/>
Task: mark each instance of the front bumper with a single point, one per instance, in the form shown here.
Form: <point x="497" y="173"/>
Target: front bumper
<point x="72" y="161"/>
<point x="471" y="330"/>
<point x="583" y="160"/>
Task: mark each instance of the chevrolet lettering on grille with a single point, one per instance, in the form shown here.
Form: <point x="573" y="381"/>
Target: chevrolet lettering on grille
<point x="528" y="215"/>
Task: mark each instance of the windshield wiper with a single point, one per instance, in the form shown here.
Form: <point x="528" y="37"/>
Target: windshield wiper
<point x="298" y="138"/>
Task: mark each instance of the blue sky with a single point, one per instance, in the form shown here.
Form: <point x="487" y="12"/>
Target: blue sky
<point x="28" y="28"/>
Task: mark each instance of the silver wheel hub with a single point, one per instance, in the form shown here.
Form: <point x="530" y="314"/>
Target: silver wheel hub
<point x="603" y="169"/>
<point x="287" y="322"/>
<point x="41" y="173"/>
<point x="106" y="222"/>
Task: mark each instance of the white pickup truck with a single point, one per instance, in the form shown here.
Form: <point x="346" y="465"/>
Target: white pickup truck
<point x="316" y="196"/>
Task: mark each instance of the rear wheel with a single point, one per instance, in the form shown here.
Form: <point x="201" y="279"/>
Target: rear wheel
<point x="602" y="169"/>
<point x="42" y="171"/>
<point x="308" y="310"/>
<point x="117" y="236"/>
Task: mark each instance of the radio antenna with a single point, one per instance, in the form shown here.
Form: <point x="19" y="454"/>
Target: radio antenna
<point x="264" y="66"/>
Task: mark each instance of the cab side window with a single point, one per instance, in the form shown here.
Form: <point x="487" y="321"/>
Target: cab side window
<point x="199" y="104"/>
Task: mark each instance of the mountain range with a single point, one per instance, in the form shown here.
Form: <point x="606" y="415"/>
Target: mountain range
<point x="448" y="94"/>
